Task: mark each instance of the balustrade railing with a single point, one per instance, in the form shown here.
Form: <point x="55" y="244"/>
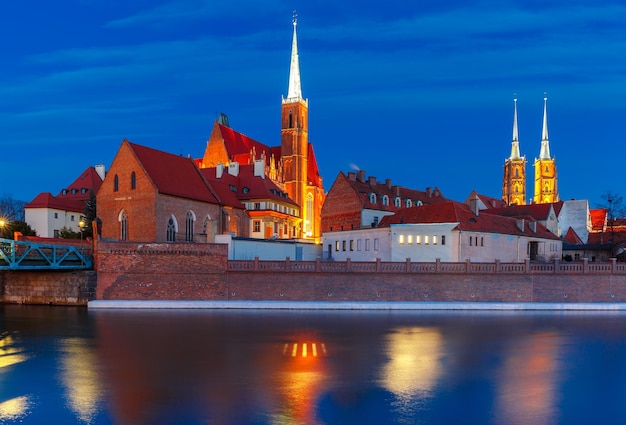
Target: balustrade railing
<point x="348" y="266"/>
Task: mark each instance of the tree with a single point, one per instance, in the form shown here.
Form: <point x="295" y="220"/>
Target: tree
<point x="11" y="209"/>
<point x="615" y="209"/>
<point x="90" y="214"/>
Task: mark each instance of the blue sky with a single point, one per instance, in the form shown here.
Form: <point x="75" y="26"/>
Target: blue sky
<point x="418" y="92"/>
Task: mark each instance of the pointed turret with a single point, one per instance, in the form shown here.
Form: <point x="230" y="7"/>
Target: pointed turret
<point x="515" y="153"/>
<point x="295" y="90"/>
<point x="545" y="146"/>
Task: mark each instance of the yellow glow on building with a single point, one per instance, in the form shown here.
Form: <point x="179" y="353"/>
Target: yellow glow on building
<point x="414" y="361"/>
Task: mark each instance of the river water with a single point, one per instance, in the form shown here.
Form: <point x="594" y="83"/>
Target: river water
<point x="71" y="365"/>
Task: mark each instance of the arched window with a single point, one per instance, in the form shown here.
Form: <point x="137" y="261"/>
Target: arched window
<point x="123" y="219"/>
<point x="171" y="229"/>
<point x="189" y="224"/>
<point x="116" y="183"/>
<point x="308" y="215"/>
<point x="517" y="172"/>
<point x="408" y="203"/>
<point x="372" y="198"/>
<point x="385" y="200"/>
<point x="547" y="169"/>
<point x="397" y="202"/>
<point x="133" y="180"/>
<point x="418" y="203"/>
<point x="290" y="119"/>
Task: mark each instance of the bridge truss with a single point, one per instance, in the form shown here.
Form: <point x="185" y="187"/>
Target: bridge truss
<point x="21" y="255"/>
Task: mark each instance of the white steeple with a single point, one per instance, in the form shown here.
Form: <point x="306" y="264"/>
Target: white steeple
<point x="545" y="146"/>
<point x="295" y="90"/>
<point x="515" y="154"/>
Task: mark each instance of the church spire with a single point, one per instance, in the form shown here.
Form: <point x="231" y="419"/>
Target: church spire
<point x="515" y="154"/>
<point x="545" y="146"/>
<point x="295" y="90"/>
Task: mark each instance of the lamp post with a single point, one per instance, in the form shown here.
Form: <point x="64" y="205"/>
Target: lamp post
<point x="81" y="225"/>
<point x="3" y="223"/>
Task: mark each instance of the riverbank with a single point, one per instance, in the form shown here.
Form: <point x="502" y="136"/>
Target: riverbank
<point x="321" y="305"/>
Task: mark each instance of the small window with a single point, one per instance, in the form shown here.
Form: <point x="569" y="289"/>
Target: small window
<point x="74" y="191"/>
<point x="385" y="200"/>
<point x="408" y="203"/>
<point x="343" y="245"/>
<point x="83" y="190"/>
<point x="367" y="244"/>
<point x="372" y="198"/>
<point x="358" y="244"/>
<point x="351" y="244"/>
<point x="71" y="218"/>
<point x="133" y="180"/>
<point x="56" y="215"/>
<point x="257" y="205"/>
<point x="470" y="240"/>
<point x="443" y="239"/>
<point x="376" y="244"/>
<point x="482" y="241"/>
<point x="426" y="240"/>
<point x="256" y="226"/>
<point x="337" y="246"/>
<point x="401" y="239"/>
<point x="116" y="183"/>
<point x="434" y="240"/>
<point x="64" y="192"/>
<point x="418" y="239"/>
<point x="397" y="202"/>
<point x="409" y="239"/>
<point x="245" y="190"/>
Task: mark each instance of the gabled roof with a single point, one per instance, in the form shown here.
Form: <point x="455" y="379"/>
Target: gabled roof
<point x="172" y="174"/>
<point x="73" y="197"/>
<point x="536" y="211"/>
<point x="598" y="219"/>
<point x="456" y="212"/>
<point x="239" y="145"/>
<point x="487" y="201"/>
<point x="313" y="172"/>
<point x="572" y="238"/>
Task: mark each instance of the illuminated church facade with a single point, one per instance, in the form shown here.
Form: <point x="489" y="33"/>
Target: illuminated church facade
<point x="546" y="179"/>
<point x="292" y="166"/>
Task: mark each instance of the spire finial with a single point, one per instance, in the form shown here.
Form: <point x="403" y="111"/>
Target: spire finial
<point x="515" y="153"/>
<point x="295" y="91"/>
<point x="545" y="146"/>
<point x="294" y="20"/>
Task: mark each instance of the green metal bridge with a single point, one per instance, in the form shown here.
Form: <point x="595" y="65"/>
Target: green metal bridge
<point x="21" y="255"/>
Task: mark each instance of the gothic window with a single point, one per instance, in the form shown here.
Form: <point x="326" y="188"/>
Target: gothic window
<point x="133" y="180"/>
<point x="547" y="169"/>
<point x="189" y="225"/>
<point x="171" y="229"/>
<point x="123" y="218"/>
<point x="290" y="119"/>
<point x="409" y="204"/>
<point x="385" y="200"/>
<point x="116" y="183"/>
<point x="517" y="172"/>
<point x="397" y="202"/>
<point x="372" y="198"/>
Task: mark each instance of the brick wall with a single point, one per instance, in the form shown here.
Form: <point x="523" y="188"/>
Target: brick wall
<point x="151" y="271"/>
<point x="47" y="287"/>
<point x="342" y="206"/>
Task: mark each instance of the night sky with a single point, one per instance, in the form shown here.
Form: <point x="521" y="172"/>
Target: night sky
<point x="419" y="92"/>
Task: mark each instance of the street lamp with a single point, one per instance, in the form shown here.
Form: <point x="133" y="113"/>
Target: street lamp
<point x="3" y="224"/>
<point x="81" y="225"/>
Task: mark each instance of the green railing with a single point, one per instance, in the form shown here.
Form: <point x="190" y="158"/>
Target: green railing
<point x="20" y="255"/>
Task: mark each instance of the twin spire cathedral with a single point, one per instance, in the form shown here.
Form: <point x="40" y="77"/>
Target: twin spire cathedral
<point x="514" y="183"/>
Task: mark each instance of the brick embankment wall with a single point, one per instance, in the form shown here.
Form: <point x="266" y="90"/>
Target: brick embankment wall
<point x="47" y="287"/>
<point x="478" y="287"/>
<point x="155" y="271"/>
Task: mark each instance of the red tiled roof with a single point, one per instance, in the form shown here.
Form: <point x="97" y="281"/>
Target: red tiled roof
<point x="172" y="174"/>
<point x="71" y="198"/>
<point x="313" y="173"/>
<point x="239" y="146"/>
<point x="488" y="201"/>
<point x="536" y="211"/>
<point x="572" y="238"/>
<point x="248" y="186"/>
<point x="456" y="212"/>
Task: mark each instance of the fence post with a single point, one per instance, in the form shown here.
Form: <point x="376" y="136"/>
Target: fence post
<point x="557" y="265"/>
<point x="287" y="261"/>
<point x="526" y="266"/>
<point x="408" y="265"/>
<point x="585" y="265"/>
<point x="318" y="264"/>
<point x="437" y="265"/>
<point x="378" y="265"/>
<point x="348" y="266"/>
<point x="256" y="264"/>
<point x="468" y="267"/>
<point x="497" y="266"/>
<point x="613" y="265"/>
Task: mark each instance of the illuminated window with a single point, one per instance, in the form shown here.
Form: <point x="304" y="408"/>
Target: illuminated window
<point x="256" y="226"/>
<point x="418" y="239"/>
<point x="337" y="246"/>
<point x="426" y="239"/>
<point x="434" y="240"/>
<point x="409" y="239"/>
<point x="401" y="239"/>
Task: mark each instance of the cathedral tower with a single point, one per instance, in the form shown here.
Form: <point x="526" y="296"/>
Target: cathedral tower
<point x="545" y="167"/>
<point x="514" y="184"/>
<point x="295" y="137"/>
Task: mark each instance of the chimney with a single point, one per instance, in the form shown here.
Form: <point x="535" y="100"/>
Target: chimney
<point x="473" y="205"/>
<point x="372" y="181"/>
<point x="352" y="176"/>
<point x="388" y="183"/>
<point x="520" y="224"/>
<point x="219" y="170"/>
<point x="233" y="168"/>
<point x="428" y="192"/>
<point x="360" y="175"/>
<point x="259" y="168"/>
<point x="100" y="170"/>
<point x="396" y="190"/>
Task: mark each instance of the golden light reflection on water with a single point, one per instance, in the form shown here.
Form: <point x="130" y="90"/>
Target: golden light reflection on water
<point x="15" y="408"/>
<point x="9" y="354"/>
<point x="528" y="381"/>
<point x="80" y="378"/>
<point x="414" y="361"/>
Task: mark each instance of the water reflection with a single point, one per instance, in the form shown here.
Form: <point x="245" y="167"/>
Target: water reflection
<point x="80" y="379"/>
<point x="15" y="409"/>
